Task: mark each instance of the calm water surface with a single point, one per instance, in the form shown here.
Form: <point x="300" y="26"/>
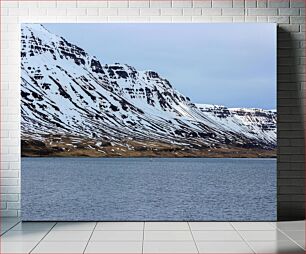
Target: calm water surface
<point x="111" y="189"/>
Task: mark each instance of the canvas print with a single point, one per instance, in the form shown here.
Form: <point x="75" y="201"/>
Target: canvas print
<point x="127" y="122"/>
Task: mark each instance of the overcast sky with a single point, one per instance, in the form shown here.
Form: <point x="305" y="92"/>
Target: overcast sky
<point x="229" y="64"/>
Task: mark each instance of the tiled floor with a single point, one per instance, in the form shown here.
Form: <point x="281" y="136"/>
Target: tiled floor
<point x="152" y="237"/>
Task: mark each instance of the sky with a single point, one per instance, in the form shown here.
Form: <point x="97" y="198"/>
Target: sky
<point x="226" y="64"/>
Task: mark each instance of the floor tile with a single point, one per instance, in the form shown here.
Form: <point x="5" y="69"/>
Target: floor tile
<point x="101" y="236"/>
<point x="274" y="235"/>
<point x="168" y="236"/>
<point x="119" y="226"/>
<point x="33" y="226"/>
<point x="253" y="226"/>
<point x="60" y="247"/>
<point x="297" y="235"/>
<point x="114" y="247"/>
<point x="69" y="236"/>
<point x="291" y="225"/>
<point x="169" y="247"/>
<point x="276" y="247"/>
<point x="216" y="236"/>
<point x="223" y="247"/>
<point x="5" y="226"/>
<point x="22" y="236"/>
<point x="211" y="226"/>
<point x="17" y="247"/>
<point x="63" y="226"/>
<point x="166" y="226"/>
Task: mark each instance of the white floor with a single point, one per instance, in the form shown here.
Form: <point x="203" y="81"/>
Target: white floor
<point x="152" y="237"/>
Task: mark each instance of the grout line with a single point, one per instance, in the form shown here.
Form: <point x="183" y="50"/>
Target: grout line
<point x="90" y="236"/>
<point x="290" y="238"/>
<point x="42" y="238"/>
<point x="143" y="232"/>
<point x="246" y="242"/>
<point x="10" y="228"/>
<point x="193" y="238"/>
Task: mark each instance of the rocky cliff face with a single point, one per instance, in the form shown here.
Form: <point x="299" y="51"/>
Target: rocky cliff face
<point x="73" y="104"/>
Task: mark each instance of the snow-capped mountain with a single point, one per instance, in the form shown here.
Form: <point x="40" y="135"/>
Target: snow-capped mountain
<point x="72" y="103"/>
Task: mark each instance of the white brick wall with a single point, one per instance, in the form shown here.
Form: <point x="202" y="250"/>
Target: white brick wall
<point x="288" y="13"/>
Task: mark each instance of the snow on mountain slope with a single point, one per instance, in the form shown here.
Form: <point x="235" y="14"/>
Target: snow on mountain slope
<point x="68" y="93"/>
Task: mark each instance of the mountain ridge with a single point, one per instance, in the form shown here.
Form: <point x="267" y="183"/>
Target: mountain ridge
<point x="73" y="105"/>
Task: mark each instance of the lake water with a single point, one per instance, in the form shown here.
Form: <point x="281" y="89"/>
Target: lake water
<point x="144" y="189"/>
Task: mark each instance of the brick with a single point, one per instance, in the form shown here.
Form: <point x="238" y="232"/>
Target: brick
<point x="150" y="12"/>
<point x="201" y="19"/>
<point x="76" y="11"/>
<point x="181" y="19"/>
<point x="291" y="190"/>
<point x="291" y="150"/>
<point x="211" y="11"/>
<point x="13" y="205"/>
<point x="250" y="19"/>
<point x="94" y="4"/>
<point x="66" y="4"/>
<point x="238" y="19"/>
<point x="233" y="12"/>
<point x="297" y="20"/>
<point x="262" y="12"/>
<point x="291" y="198"/>
<point x="18" y="12"/>
<point x="4" y="11"/>
<point x="262" y="4"/>
<point x="192" y="11"/>
<point x="291" y="134"/>
<point x="9" y="4"/>
<point x="139" y="4"/>
<point x="9" y="197"/>
<point x="222" y="19"/>
<point x="291" y="166"/>
<point x="261" y="19"/>
<point x="250" y="3"/>
<point x="160" y="4"/>
<point x="56" y="12"/>
<point x="108" y="11"/>
<point x="91" y="19"/>
<point x="3" y="205"/>
<point x="202" y="3"/>
<point x="10" y="189"/>
<point x="9" y="173"/>
<point x="278" y="3"/>
<point x="37" y="11"/>
<point x="172" y="11"/>
<point x="159" y="19"/>
<point x="238" y="3"/>
<point x="291" y="174"/>
<point x="128" y="11"/>
<point x="9" y="181"/>
<point x="27" y="4"/>
<point x="289" y="27"/>
<point x="279" y="19"/>
<point x="118" y="4"/>
<point x="47" y="4"/>
<point x="297" y="3"/>
<point x="92" y="11"/>
<point x="289" y="11"/>
<point x="182" y="3"/>
<point x="9" y="213"/>
<point x="222" y="3"/>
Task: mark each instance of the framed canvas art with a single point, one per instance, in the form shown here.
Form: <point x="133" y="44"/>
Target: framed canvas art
<point x="148" y="122"/>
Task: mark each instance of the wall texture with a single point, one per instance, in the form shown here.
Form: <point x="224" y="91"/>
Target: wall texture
<point x="289" y="14"/>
